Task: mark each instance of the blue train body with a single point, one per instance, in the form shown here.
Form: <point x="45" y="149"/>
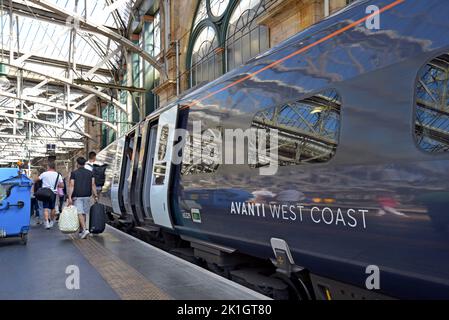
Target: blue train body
<point x="379" y="201"/>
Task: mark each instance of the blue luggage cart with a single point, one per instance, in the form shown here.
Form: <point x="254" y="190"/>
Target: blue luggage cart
<point x="15" y="204"/>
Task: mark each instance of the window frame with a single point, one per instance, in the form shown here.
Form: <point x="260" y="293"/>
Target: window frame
<point x="339" y="134"/>
<point x="434" y="55"/>
<point x="220" y="24"/>
<point x="203" y="25"/>
<point x="226" y="36"/>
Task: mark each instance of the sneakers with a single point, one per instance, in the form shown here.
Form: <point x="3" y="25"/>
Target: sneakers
<point x="49" y="224"/>
<point x="84" y="234"/>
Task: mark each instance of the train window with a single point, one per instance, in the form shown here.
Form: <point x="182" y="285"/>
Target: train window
<point x="202" y="154"/>
<point x="160" y="166"/>
<point x="107" y="157"/>
<point x="432" y="106"/>
<point x="163" y="143"/>
<point x="308" y="130"/>
<point x="118" y="160"/>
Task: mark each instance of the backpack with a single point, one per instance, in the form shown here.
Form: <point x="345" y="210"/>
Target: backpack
<point x="99" y="173"/>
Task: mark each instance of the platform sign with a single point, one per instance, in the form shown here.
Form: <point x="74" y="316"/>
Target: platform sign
<point x="51" y="149"/>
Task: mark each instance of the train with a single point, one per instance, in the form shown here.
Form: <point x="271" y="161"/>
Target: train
<point x="345" y="193"/>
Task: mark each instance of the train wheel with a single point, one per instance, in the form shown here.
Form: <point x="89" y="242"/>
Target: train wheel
<point x="297" y="290"/>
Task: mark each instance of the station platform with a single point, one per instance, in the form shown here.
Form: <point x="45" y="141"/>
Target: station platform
<point x="112" y="266"/>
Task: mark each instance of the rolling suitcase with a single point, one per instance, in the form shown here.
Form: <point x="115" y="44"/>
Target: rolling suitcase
<point x="97" y="219"/>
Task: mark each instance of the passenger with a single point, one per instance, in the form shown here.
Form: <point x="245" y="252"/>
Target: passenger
<point x="81" y="188"/>
<point x="90" y="165"/>
<point x="51" y="159"/>
<point x="62" y="192"/>
<point x="34" y="207"/>
<point x="51" y="180"/>
<point x="40" y="205"/>
<point x="91" y="162"/>
<point x="34" y="202"/>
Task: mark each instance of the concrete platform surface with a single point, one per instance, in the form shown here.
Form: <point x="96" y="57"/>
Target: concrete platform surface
<point x="110" y="266"/>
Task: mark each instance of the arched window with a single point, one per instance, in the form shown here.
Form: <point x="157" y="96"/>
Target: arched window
<point x="220" y="24"/>
<point x="218" y="7"/>
<point x="245" y="39"/>
<point x="206" y="65"/>
<point x="201" y="13"/>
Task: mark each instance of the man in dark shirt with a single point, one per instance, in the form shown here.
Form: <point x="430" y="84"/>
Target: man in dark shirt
<point x="82" y="187"/>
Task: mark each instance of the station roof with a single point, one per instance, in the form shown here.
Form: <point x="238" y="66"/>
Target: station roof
<point x="45" y="47"/>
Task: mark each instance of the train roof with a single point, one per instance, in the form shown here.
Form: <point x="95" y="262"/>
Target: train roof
<point x="307" y="33"/>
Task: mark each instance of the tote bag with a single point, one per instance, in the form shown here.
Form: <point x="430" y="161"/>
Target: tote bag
<point x="68" y="220"/>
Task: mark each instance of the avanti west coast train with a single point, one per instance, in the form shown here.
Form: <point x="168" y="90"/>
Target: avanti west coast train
<point x="359" y="205"/>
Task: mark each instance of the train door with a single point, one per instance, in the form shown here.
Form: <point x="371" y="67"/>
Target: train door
<point x="162" y="168"/>
<point x="149" y="161"/>
<point x="115" y="184"/>
<point x="139" y="172"/>
<point x="133" y="186"/>
<point x="125" y="182"/>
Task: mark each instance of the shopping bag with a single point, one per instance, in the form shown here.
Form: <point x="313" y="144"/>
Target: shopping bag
<point x="69" y="221"/>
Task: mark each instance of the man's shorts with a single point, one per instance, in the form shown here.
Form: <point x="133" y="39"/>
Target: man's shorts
<point x="49" y="204"/>
<point x="82" y="205"/>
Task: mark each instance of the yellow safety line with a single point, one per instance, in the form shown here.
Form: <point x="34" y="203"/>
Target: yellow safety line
<point x="127" y="282"/>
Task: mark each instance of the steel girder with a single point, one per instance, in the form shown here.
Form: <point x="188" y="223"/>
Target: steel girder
<point x="56" y="106"/>
<point x="67" y="81"/>
<point x="46" y="123"/>
<point x="89" y="25"/>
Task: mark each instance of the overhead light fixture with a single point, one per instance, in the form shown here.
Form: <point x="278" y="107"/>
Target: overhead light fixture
<point x="20" y="124"/>
<point x="317" y="110"/>
<point x="4" y="82"/>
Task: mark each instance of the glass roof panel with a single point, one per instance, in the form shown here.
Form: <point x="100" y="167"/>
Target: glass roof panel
<point x="42" y="40"/>
<point x="49" y="40"/>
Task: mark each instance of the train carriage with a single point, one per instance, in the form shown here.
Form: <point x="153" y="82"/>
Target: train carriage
<point x="360" y="186"/>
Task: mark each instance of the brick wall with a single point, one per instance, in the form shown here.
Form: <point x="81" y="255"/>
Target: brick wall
<point x="93" y="129"/>
<point x="336" y="5"/>
<point x="182" y="14"/>
<point x="288" y="17"/>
